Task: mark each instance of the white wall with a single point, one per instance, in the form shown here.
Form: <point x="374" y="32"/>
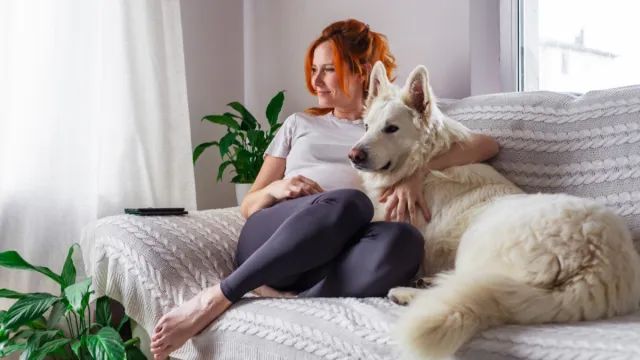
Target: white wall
<point x="278" y="32"/>
<point x="212" y="32"/>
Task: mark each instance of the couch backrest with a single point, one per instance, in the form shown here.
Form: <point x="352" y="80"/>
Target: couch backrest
<point x="586" y="145"/>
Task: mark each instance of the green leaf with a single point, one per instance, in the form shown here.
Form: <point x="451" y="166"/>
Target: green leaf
<point x="103" y="311"/>
<point x="13" y="260"/>
<point x="273" y="130"/>
<point x="38" y="324"/>
<point x="226" y="142"/>
<point x="256" y="139"/>
<point x="134" y="353"/>
<point x="77" y="295"/>
<point x="48" y="348"/>
<point x="274" y="107"/>
<point x="9" y="349"/>
<point x="202" y="147"/>
<point x="68" y="274"/>
<point x="106" y="345"/>
<point x="225" y="119"/>
<point x="221" y="169"/>
<point x="10" y="294"/>
<point x="28" y="308"/>
<point x="248" y="120"/>
<point x="34" y="342"/>
<point x="57" y="312"/>
<point x="75" y="347"/>
<point x="123" y="321"/>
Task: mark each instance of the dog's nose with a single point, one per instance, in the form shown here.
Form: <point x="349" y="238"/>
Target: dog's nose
<point x="357" y="156"/>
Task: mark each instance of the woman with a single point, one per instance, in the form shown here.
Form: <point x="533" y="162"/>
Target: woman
<point x="308" y="228"/>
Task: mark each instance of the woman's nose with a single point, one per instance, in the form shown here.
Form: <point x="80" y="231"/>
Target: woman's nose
<point x="318" y="78"/>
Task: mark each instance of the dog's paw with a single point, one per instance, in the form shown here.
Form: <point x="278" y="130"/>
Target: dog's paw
<point x="402" y="295"/>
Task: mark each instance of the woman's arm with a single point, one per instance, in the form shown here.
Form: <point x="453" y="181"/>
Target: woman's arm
<point x="406" y="198"/>
<point x="476" y="149"/>
<point x="270" y="187"/>
<point x="258" y="197"/>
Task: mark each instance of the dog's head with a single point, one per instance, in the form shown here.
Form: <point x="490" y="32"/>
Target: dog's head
<point x="397" y="123"/>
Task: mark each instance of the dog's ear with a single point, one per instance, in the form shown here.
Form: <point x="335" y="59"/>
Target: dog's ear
<point x="378" y="81"/>
<point x="416" y="92"/>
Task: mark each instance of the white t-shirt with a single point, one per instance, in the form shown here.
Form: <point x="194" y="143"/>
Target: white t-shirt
<point x="317" y="147"/>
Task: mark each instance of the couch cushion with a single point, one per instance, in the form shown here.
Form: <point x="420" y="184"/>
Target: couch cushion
<point x="586" y="145"/>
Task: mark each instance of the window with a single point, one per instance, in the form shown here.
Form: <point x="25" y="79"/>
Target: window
<point x="577" y="45"/>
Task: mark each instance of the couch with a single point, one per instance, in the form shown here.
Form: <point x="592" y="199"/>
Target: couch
<point x="586" y="145"/>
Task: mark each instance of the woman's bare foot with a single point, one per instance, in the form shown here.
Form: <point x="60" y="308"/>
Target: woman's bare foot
<point x="267" y="291"/>
<point x="187" y="320"/>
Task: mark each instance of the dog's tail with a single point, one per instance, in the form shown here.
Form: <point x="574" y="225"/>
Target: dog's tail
<point x="441" y="319"/>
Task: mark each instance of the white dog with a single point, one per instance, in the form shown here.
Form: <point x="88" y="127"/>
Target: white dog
<point x="518" y="258"/>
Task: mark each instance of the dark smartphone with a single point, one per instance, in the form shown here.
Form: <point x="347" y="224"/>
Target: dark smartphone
<point x="155" y="211"/>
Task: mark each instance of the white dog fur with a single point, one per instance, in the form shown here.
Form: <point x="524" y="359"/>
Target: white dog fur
<point x="518" y="258"/>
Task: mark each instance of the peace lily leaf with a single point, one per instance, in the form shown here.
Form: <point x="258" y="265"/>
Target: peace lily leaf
<point x="57" y="312"/>
<point x="10" y="294"/>
<point x="224" y="119"/>
<point x="106" y="345"/>
<point x="226" y="142"/>
<point x="28" y="308"/>
<point x="33" y="343"/>
<point x="221" y="169"/>
<point x="76" y="295"/>
<point x="13" y="260"/>
<point x="76" y="346"/>
<point x="201" y="148"/>
<point x="48" y="348"/>
<point x="248" y="120"/>
<point x="68" y="274"/>
<point x="38" y="324"/>
<point x="123" y="321"/>
<point x="103" y="311"/>
<point x="11" y="348"/>
<point x="274" y="107"/>
<point x="134" y="353"/>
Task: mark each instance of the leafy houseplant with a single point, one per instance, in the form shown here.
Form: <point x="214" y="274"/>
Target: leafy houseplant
<point x="32" y="324"/>
<point x="244" y="143"/>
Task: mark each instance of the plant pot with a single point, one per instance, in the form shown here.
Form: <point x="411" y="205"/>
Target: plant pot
<point x="241" y="191"/>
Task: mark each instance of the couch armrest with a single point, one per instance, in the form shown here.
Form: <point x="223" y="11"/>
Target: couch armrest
<point x="150" y="264"/>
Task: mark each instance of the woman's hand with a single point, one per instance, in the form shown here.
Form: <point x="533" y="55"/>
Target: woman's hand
<point x="406" y="198"/>
<point x="292" y="188"/>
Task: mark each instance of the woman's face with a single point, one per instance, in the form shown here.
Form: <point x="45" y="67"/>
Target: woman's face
<point x="326" y="84"/>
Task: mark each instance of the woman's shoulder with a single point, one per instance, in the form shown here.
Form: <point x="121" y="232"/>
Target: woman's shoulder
<point x="302" y="119"/>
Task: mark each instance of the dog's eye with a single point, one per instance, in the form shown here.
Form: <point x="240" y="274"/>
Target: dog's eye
<point x="390" y="129"/>
<point x="366" y="127"/>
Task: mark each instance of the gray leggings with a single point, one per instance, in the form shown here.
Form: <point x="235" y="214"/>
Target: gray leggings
<point x="324" y="245"/>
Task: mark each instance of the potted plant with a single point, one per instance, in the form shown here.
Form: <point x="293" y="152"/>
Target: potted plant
<point x="48" y="326"/>
<point x="244" y="143"/>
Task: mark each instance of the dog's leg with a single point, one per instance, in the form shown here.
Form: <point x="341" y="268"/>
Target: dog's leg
<point x="403" y="295"/>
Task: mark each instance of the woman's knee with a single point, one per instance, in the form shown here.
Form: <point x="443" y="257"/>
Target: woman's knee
<point x="405" y="243"/>
<point x="349" y="202"/>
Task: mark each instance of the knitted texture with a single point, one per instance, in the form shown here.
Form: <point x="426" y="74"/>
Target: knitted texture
<point x="585" y="145"/>
<point x="151" y="264"/>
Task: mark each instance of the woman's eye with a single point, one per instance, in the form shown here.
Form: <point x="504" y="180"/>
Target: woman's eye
<point x="390" y="129"/>
<point x="329" y="69"/>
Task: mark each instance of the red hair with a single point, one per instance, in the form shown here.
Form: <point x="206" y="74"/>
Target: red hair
<point x="355" y="46"/>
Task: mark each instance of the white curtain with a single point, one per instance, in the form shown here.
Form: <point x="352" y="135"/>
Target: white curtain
<point x="93" y="119"/>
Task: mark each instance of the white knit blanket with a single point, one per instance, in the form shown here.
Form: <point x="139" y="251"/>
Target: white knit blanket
<point x="151" y="264"/>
